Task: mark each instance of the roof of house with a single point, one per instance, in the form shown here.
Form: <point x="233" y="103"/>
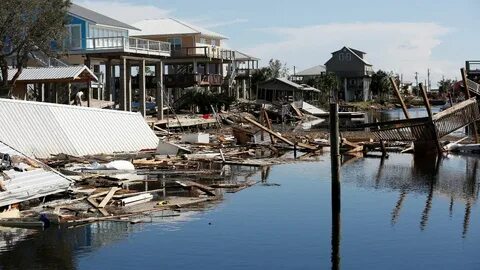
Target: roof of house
<point x="70" y="73"/>
<point x="97" y="18"/>
<point x="302" y="87"/>
<point x="44" y="129"/>
<point x="171" y="26"/>
<point x="36" y="182"/>
<point x="244" y="57"/>
<point x="313" y="71"/>
<point x="355" y="53"/>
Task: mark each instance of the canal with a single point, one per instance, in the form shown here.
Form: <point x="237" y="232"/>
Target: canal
<point x="397" y="213"/>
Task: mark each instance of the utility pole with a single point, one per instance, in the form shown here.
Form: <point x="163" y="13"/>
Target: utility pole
<point x="428" y="80"/>
<point x="416" y="79"/>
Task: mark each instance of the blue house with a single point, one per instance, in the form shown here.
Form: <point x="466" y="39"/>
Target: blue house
<point x="92" y="32"/>
<point x="105" y="45"/>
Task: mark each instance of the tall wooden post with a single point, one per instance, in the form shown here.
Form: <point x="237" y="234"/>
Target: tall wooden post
<point x="467" y="95"/>
<point x="399" y="96"/>
<point x="123" y="85"/>
<point x="430" y="117"/>
<point x="335" y="190"/>
<point x="109" y="80"/>
<point x="159" y="93"/>
<point x="129" y="86"/>
<point x="141" y="82"/>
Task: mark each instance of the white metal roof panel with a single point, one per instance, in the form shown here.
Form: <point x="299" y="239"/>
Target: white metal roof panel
<point x="95" y="17"/>
<point x="32" y="184"/>
<point x="51" y="73"/>
<point x="43" y="129"/>
<point x="313" y="71"/>
<point x="170" y="26"/>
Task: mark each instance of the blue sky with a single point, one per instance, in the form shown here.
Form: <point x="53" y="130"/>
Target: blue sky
<point x="402" y="36"/>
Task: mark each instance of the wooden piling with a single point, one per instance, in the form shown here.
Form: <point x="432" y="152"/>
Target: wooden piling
<point x="399" y="96"/>
<point x="467" y="93"/>
<point x="335" y="190"/>
<point x="430" y="116"/>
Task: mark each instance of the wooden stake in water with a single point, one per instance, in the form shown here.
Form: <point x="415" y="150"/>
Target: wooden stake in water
<point x="335" y="162"/>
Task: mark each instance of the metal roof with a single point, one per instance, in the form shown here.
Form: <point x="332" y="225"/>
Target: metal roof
<point x="31" y="184"/>
<point x="244" y="57"/>
<point x="171" y="26"/>
<point x="53" y="73"/>
<point x="291" y="84"/>
<point x="43" y="129"/>
<point x="97" y="18"/>
<point x="355" y="53"/>
<point x="313" y="71"/>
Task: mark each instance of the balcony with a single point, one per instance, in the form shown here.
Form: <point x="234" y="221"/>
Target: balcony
<point x="188" y="80"/>
<point x="203" y="52"/>
<point x="127" y="45"/>
<point x="472" y="67"/>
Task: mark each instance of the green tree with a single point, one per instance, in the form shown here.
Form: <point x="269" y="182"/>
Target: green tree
<point x="445" y="85"/>
<point x="275" y="69"/>
<point x="28" y="26"/>
<point x="381" y="85"/>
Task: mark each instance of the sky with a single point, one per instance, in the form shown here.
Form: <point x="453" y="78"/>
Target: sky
<point x="405" y="36"/>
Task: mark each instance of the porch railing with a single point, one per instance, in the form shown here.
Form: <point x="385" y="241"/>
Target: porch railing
<point x="128" y="44"/>
<point x="204" y="51"/>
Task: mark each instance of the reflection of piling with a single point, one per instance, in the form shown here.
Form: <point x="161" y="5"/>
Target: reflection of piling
<point x="335" y="162"/>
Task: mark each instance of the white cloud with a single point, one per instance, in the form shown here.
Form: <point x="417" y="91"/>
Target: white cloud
<point x="401" y="47"/>
<point x="124" y="11"/>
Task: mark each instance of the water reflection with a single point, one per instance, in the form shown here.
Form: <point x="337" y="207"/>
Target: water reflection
<point x="455" y="180"/>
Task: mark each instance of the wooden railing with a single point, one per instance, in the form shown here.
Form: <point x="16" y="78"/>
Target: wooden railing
<point x="128" y="44"/>
<point x="204" y="51"/>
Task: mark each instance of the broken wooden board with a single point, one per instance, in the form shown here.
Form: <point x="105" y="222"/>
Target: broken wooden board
<point x="210" y="191"/>
<point x="278" y="136"/>
<point x="109" y="196"/>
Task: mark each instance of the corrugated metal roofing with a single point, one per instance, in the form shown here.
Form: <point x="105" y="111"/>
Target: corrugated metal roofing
<point x="244" y="57"/>
<point x="32" y="184"/>
<point x="170" y="26"/>
<point x="297" y="86"/>
<point x="316" y="70"/>
<point x="97" y="18"/>
<point x="51" y="73"/>
<point x="43" y="129"/>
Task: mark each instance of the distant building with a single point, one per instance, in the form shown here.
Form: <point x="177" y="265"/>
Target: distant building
<point x="281" y="90"/>
<point x="354" y="72"/>
<point x="308" y="74"/>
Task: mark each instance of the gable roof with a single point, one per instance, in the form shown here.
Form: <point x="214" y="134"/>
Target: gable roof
<point x="171" y="26"/>
<point x="316" y="70"/>
<point x="301" y="87"/>
<point x="70" y="73"/>
<point x="97" y="18"/>
<point x="354" y="53"/>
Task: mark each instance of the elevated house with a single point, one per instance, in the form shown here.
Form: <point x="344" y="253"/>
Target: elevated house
<point x="354" y="73"/>
<point x="105" y="44"/>
<point x="198" y="58"/>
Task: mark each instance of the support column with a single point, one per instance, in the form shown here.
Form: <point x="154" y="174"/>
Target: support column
<point x="141" y="88"/>
<point x="55" y="93"/>
<point x="159" y="93"/>
<point x="123" y="85"/>
<point x="42" y="92"/>
<point x="129" y="87"/>
<point x="109" y="81"/>
<point x="69" y="89"/>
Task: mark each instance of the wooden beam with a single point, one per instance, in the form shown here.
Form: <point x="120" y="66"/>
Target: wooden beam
<point x="430" y="116"/>
<point x="280" y="137"/>
<point x="109" y="196"/>
<point x="399" y="96"/>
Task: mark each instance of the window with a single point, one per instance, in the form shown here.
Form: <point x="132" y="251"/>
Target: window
<point x="75" y="36"/>
<point x="176" y="43"/>
<point x="348" y="57"/>
<point x="203" y="40"/>
<point x="340" y="57"/>
<point x="213" y="42"/>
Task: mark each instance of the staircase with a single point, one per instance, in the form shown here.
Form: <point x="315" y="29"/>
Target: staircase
<point x="47" y="61"/>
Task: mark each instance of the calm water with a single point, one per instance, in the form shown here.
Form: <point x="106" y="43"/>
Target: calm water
<point x="397" y="213"/>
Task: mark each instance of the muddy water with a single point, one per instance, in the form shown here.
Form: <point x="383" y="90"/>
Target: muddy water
<point x="397" y="213"/>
